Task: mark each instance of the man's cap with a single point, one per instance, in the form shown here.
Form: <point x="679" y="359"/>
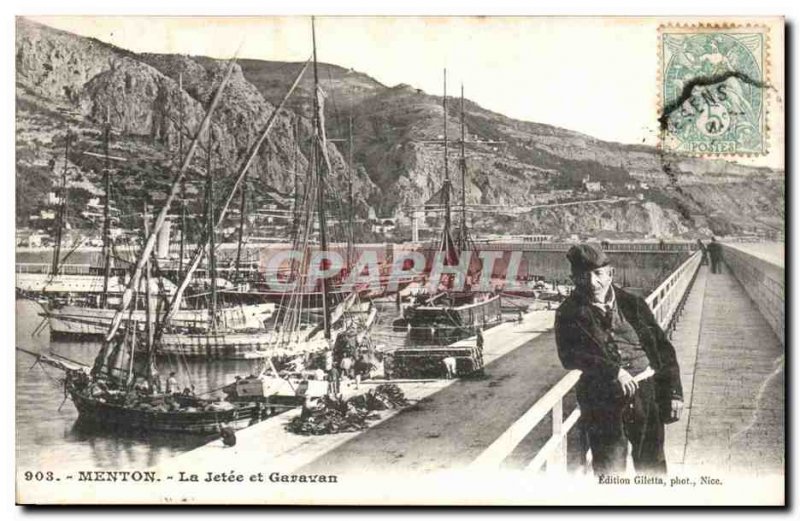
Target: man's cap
<point x="586" y="257"/>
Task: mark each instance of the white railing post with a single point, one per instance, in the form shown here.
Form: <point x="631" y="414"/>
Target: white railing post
<point x="557" y="462"/>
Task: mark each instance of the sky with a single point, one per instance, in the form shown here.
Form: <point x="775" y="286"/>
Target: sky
<point x="593" y="75"/>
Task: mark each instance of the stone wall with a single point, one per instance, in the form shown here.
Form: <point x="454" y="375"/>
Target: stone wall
<point x="764" y="283"/>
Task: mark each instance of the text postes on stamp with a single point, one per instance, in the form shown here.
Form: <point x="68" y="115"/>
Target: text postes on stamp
<point x="713" y="90"/>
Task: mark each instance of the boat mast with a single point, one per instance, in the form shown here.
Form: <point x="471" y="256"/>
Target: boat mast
<point x="320" y="142"/>
<point x="183" y="181"/>
<point x="62" y="211"/>
<point x="212" y="256"/>
<point x="446" y="191"/>
<point x="149" y="326"/>
<point x="130" y="378"/>
<point x="106" y="214"/>
<point x="242" y="210"/>
<point x="447" y="245"/>
<point x="296" y="202"/>
<point x="351" y="209"/>
<point x="462" y="235"/>
<point x="147" y="277"/>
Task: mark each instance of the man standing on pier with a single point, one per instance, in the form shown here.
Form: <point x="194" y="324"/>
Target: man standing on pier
<point x="630" y="382"/>
<point x="715" y="252"/>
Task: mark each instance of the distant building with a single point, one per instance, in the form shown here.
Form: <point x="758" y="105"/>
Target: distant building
<point x="699" y="220"/>
<point x="36" y="240"/>
<point x="653" y="177"/>
<point x="47" y="215"/>
<point x="384" y="225"/>
<point x="535" y="239"/>
<point x="592" y="186"/>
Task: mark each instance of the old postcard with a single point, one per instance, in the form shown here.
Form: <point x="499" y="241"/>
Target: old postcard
<point x="400" y="260"/>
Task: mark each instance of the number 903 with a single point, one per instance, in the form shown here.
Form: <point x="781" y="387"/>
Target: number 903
<point x="39" y="476"/>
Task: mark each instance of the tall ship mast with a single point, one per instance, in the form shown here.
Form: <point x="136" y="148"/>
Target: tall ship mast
<point x="447" y="315"/>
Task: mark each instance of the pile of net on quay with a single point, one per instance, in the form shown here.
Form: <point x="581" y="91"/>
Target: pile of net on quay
<point x="334" y="414"/>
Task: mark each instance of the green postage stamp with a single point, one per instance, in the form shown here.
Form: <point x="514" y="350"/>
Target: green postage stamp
<point x="713" y="89"/>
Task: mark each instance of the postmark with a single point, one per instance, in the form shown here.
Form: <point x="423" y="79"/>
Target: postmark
<point x="713" y="89"/>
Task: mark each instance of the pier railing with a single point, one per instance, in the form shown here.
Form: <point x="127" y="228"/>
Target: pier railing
<point x="666" y="302"/>
<point x="45" y="268"/>
<point x="611" y="247"/>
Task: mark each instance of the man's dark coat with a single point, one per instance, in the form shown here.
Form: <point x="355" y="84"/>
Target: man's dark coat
<point x="583" y="343"/>
<point x="714" y="250"/>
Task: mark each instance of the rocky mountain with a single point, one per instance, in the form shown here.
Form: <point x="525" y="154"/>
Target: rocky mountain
<point x="66" y="80"/>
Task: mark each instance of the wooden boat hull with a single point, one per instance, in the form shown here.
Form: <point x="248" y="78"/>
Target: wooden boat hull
<point x="309" y="300"/>
<point x="96" y="411"/>
<point x="244" y="345"/>
<point x="233" y="346"/>
<point x="441" y="325"/>
<point x="85" y="321"/>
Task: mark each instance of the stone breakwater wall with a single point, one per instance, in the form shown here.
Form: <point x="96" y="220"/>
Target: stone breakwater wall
<point x="764" y="282"/>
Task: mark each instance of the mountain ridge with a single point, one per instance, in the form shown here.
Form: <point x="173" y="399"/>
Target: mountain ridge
<point x="399" y="163"/>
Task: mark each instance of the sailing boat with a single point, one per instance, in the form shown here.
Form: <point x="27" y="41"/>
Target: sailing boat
<point x="450" y="315"/>
<point x="113" y="391"/>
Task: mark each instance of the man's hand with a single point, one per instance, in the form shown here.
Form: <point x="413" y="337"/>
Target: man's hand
<point x="677" y="408"/>
<point x="629" y="385"/>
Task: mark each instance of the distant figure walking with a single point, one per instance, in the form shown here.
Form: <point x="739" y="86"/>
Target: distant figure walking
<point x="449" y="367"/>
<point x="703" y="252"/>
<point x="715" y="253"/>
<point x="479" y="344"/>
<point x="333" y="381"/>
